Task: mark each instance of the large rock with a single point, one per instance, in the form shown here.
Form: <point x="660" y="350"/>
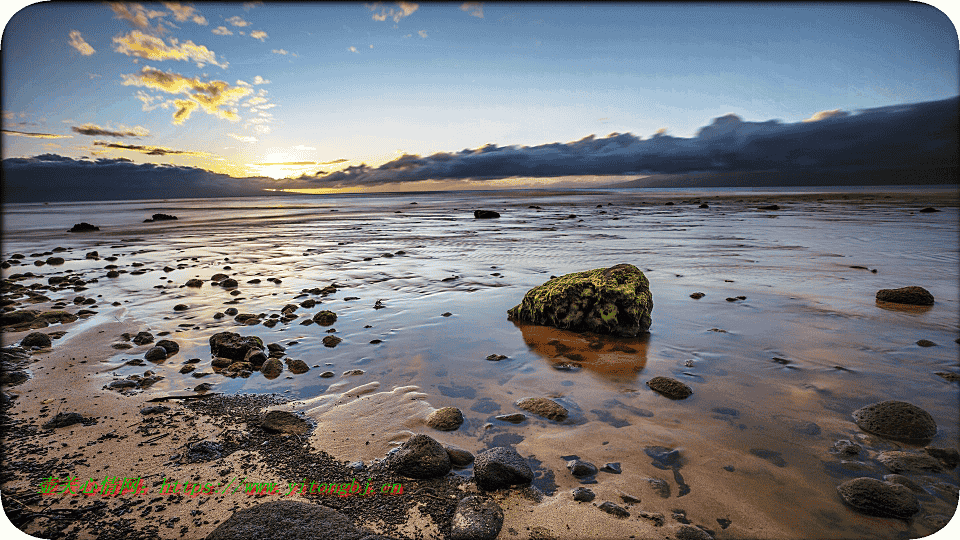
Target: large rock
<point x="615" y="300"/>
<point x="476" y="518"/>
<point x="290" y="520"/>
<point x="909" y="462"/>
<point x="917" y="296"/>
<point x="83" y="227"/>
<point x="420" y="456"/>
<point x="544" y="407"/>
<point x="875" y="498"/>
<point x="233" y="346"/>
<point x="36" y="339"/>
<point x="896" y="420"/>
<point x="669" y="387"/>
<point x="445" y="419"/>
<point x="501" y="467"/>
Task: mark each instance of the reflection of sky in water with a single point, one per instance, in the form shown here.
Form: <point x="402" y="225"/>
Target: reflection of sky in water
<point x="809" y="344"/>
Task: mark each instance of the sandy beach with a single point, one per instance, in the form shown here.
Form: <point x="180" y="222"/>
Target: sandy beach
<point x="785" y="344"/>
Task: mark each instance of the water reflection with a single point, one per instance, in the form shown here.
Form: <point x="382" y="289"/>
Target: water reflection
<point x="609" y="356"/>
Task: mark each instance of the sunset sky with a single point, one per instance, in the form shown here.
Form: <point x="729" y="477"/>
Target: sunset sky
<point x="278" y="90"/>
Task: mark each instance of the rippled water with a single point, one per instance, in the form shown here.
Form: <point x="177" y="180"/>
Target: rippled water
<point x="808" y="345"/>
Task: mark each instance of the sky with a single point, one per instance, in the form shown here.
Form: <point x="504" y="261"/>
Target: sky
<point x="360" y="95"/>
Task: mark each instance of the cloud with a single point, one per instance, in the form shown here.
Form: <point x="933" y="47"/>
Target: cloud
<point x="259" y="34"/>
<point x="279" y="51"/>
<point x="242" y="138"/>
<point x="256" y="100"/>
<point x="50" y="177"/>
<point x="149" y="150"/>
<point x="136" y="14"/>
<point x="182" y="13"/>
<point x="138" y="44"/>
<point x="289" y="163"/>
<point x="122" y="131"/>
<point x="77" y="42"/>
<point x="910" y="136"/>
<point x="423" y="33"/>
<point x="303" y="147"/>
<point x="214" y="97"/>
<point x="36" y="135"/>
<point x="222" y="31"/>
<point x="475" y="8"/>
<point x="823" y="115"/>
<point x="406" y="9"/>
<point x="236" y="20"/>
<point x="334" y="162"/>
<point x="353" y="49"/>
<point x="247" y="6"/>
<point x="260" y="80"/>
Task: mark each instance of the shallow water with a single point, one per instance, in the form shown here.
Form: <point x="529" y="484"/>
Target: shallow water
<point x="775" y="377"/>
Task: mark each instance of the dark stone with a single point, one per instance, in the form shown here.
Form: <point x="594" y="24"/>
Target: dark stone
<point x="544" y="407"/>
<point x="64" y="420"/>
<point x="909" y="462"/>
<point x="896" y="420"/>
<point x="689" y="532"/>
<point x="142" y="338"/>
<point x="928" y="210"/>
<point x="916" y="296"/>
<point x="770" y="207"/>
<point x="582" y="494"/>
<point x="255" y="357"/>
<point x="669" y="387"/>
<point x="581" y="469"/>
<point x="445" y="419"/>
<point x="271" y="368"/>
<point x="194" y="283"/>
<point x="496" y="357"/>
<point x="846" y="448"/>
<point x="660" y="487"/>
<point x="501" y="467"/>
<point x="614" y="510"/>
<point x="171" y="346"/>
<point x="615" y="300"/>
<point x="36" y="339"/>
<point x="221" y="362"/>
<point x="697" y="295"/>
<point x="297" y="367"/>
<point x="155" y="409"/>
<point x="84" y="227"/>
<point x="420" y="456"/>
<point x="284" y="422"/>
<point x="926" y="343"/>
<point x="882" y="499"/>
<point x="229" y="283"/>
<point x="476" y="518"/>
<point x="331" y="341"/>
<point x="459" y="457"/>
<point x="485" y="214"/>
<point x="613" y="468"/>
<point x="514" y="418"/>
<point x="325" y="318"/>
<point x="949" y="457"/>
<point x="233" y="346"/>
<point x="155" y="354"/>
<point x="163" y="217"/>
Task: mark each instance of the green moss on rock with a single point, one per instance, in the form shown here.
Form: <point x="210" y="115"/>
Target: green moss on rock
<point x="615" y="300"/>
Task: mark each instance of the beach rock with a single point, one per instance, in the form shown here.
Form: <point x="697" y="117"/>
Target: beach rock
<point x="36" y="339"/>
<point x="615" y="300"/>
<point x="846" y="448"/>
<point x="154" y="409"/>
<point x="325" y="318"/>
<point x="514" y="418"/>
<point x="770" y="207"/>
<point x="612" y="468"/>
<point x="16" y="318"/>
<point x="903" y="481"/>
<point x="476" y="518"/>
<point x="255" y="357"/>
<point x="290" y="520"/>
<point x="271" y="368"/>
<point x="113" y="274"/>
<point x="92" y="255"/>
<point x="219" y="277"/>
<point x="916" y="296"/>
<point x="669" y="387"/>
<point x="229" y="283"/>
<point x="194" y="283"/>
<point x="909" y="462"/>
<point x="614" y="510"/>
<point x="496" y="357"/>
<point x="697" y="295"/>
<point x="689" y="532"/>
<point x="660" y="487"/>
<point x="55" y="260"/>
<point x="202" y="387"/>
<point x="161" y="217"/>
<point x="171" y="346"/>
<point x="485" y="214"/>
<point x="142" y="338"/>
<point x="331" y="341"/>
<point x="501" y="467"/>
<point x="949" y="457"/>
<point x="581" y="469"/>
<point x="84" y="227"/>
<point x="284" y="422"/>
<point x="155" y="354"/>
<point x="275" y="348"/>
<point x="896" y="420"/>
<point x="233" y="346"/>
<point x="582" y="494"/>
<point x="328" y="374"/>
<point x="459" y="457"/>
<point x="420" y="456"/>
<point x="64" y="420"/>
<point x="240" y="366"/>
<point x="544" y="407"/>
<point x="445" y="419"/>
<point x="221" y="362"/>
<point x="928" y="210"/>
<point x="876" y="498"/>
<point x="926" y="343"/>
<point x="297" y="367"/>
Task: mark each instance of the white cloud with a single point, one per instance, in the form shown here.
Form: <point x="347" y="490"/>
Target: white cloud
<point x="353" y="49"/>
<point x="77" y="42"/>
<point x="423" y="33"/>
<point x="260" y="80"/>
<point x="475" y="8"/>
<point x="243" y="83"/>
<point x="279" y="51"/>
<point x="406" y="9"/>
<point x="302" y="147"/>
<point x="237" y="21"/>
<point x="259" y="34"/>
<point x="242" y="138"/>
<point x="136" y="43"/>
<point x="263" y="130"/>
<point x="181" y="13"/>
<point x="222" y="31"/>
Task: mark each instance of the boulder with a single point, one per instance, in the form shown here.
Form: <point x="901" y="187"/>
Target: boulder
<point x="485" y="214"/>
<point x="501" y="467"/>
<point x="669" y="387"/>
<point x="876" y="498"/>
<point x="581" y="469"/>
<point x="445" y="419"/>
<point x="582" y="494"/>
<point x="142" y="338"/>
<point x="459" y="457"/>
<point x="476" y="518"/>
<point x="420" y="456"/>
<point x="297" y="366"/>
<point x="84" y="227"/>
<point x="896" y="420"/>
<point x="36" y="339"/>
<point x="917" y="296"/>
<point x="194" y="283"/>
<point x="544" y="407"/>
<point x="271" y="368"/>
<point x="909" y="462"/>
<point x="233" y="346"/>
<point x="171" y="346"/>
<point x="325" y="318"/>
<point x="156" y="353"/>
<point x="615" y="300"/>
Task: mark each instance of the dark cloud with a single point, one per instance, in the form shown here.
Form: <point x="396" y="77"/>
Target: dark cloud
<point x="93" y="129"/>
<point x="341" y="160"/>
<point x="919" y="135"/>
<point x="50" y="177"/>
<point x="149" y="150"/>
<point x="36" y="135"/>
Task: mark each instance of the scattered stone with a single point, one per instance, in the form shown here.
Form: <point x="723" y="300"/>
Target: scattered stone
<point x="445" y="419"/>
<point x="628" y="498"/>
<point x="582" y="494"/>
<point x="92" y="255"/>
<point x="949" y="457"/>
<point x="612" y="468"/>
<point x="142" y="338"/>
<point x="896" y="420"/>
<point x="476" y="518"/>
<point x="229" y="283"/>
<point x="221" y="362"/>
<point x="328" y="374"/>
<point x="697" y="295"/>
<point x="459" y="457"/>
<point x="36" y="339"/>
<point x="64" y="420"/>
<point x="171" y="346"/>
<point x="615" y="300"/>
<point x="55" y="260"/>
<point x="928" y="210"/>
<point x="84" y="227"/>
<point x="325" y="318"/>
<point x="689" y="532"/>
<point x="297" y="367"/>
<point x="160" y="217"/>
<point x="255" y="357"/>
<point x="496" y="357"/>
<point x="903" y="481"/>
<point x="909" y="462"/>
<point x="581" y="469"/>
<point x="446" y="314"/>
<point x="669" y="387"/>
<point x="614" y="510"/>
<point x="916" y="296"/>
<point x="155" y="409"/>
<point x="284" y="422"/>
<point x="770" y="207"/>
<point x="656" y="517"/>
<point x="420" y="456"/>
<point x="194" y="283"/>
<point x="233" y="346"/>
<point x="202" y="387"/>
<point x="876" y="498"/>
<point x="485" y="214"/>
<point x="271" y="368"/>
<point x="187" y="369"/>
<point x="846" y="448"/>
<point x="926" y="343"/>
<point x="501" y="467"/>
<point x="331" y="341"/>
<point x="155" y="354"/>
<point x="544" y="407"/>
<point x="514" y="418"/>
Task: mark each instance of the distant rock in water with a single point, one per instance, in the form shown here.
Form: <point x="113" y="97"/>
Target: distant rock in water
<point x="928" y="210"/>
<point x="615" y="300"/>
<point x="915" y="296"/>
<point x="485" y="214"/>
<point x="770" y="207"/>
<point x="160" y="217"/>
<point x="84" y="227"/>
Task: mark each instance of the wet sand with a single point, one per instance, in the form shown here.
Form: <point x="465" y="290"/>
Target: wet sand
<point x="775" y="376"/>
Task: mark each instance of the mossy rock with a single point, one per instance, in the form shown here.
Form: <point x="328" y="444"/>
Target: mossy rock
<point x="615" y="300"/>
